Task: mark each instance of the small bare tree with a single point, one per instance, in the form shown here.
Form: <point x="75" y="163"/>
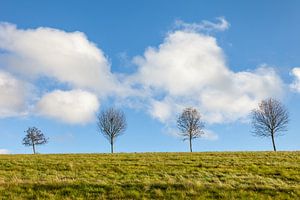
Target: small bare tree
<point x="111" y="123"/>
<point x="190" y="125"/>
<point x="34" y="137"/>
<point x="270" y="119"/>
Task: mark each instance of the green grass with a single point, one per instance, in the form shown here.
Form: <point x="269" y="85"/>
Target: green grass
<point x="223" y="175"/>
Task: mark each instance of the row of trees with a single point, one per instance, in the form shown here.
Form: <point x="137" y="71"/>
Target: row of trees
<point x="270" y="119"/>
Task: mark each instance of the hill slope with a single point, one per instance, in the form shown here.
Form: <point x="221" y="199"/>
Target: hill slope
<point x="248" y="175"/>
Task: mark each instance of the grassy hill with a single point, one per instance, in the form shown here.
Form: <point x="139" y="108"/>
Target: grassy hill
<point x="247" y="175"/>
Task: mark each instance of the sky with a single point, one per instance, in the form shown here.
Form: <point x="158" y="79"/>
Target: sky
<point x="62" y="62"/>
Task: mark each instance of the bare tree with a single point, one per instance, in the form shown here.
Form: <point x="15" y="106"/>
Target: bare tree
<point x="111" y="123"/>
<point x="190" y="125"/>
<point x="34" y="137"/>
<point x="270" y="119"/>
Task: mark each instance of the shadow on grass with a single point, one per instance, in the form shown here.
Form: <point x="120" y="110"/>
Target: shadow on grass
<point x="137" y="191"/>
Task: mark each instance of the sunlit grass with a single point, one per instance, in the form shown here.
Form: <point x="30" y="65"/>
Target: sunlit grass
<point x="247" y="175"/>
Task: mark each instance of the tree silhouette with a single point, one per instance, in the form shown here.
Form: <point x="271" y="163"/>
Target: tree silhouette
<point x="190" y="125"/>
<point x="270" y="119"/>
<point x="111" y="123"/>
<point x="34" y="137"/>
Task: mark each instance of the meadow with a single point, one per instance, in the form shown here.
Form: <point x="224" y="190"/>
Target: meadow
<point x="207" y="175"/>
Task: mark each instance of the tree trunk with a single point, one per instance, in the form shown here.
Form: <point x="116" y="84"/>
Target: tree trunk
<point x="191" y="145"/>
<point x="273" y="141"/>
<point x="112" y="146"/>
<point x="33" y="148"/>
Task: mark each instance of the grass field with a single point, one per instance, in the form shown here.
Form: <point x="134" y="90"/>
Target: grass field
<point x="229" y="175"/>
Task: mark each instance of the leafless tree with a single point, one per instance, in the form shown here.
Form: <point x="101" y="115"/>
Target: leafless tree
<point x="190" y="125"/>
<point x="34" y="137"/>
<point x="111" y="123"/>
<point x="270" y="119"/>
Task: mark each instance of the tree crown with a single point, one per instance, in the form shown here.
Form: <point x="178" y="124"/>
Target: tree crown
<point x="270" y="118"/>
<point x="189" y="123"/>
<point x="34" y="136"/>
<point x="112" y="123"/>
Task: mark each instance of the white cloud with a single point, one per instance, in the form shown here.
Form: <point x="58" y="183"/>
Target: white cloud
<point x="160" y="110"/>
<point x="4" y="151"/>
<point x="68" y="57"/>
<point x="209" y="135"/>
<point x="296" y="84"/>
<point x="55" y="56"/>
<point x="75" y="106"/>
<point x="189" y="69"/>
<point x="13" y="95"/>
<point x="204" y="25"/>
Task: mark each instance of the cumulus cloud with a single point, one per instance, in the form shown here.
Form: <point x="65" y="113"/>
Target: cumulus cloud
<point x="4" y="151"/>
<point x="13" y="95"/>
<point x="204" y="25"/>
<point x="296" y="84"/>
<point x="68" y="57"/>
<point x="75" y="106"/>
<point x="60" y="58"/>
<point x="189" y="69"/>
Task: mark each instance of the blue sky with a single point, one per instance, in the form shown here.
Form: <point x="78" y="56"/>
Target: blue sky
<point x="63" y="61"/>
